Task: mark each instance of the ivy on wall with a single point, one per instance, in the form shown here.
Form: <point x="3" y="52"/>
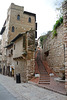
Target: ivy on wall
<point x="57" y="24"/>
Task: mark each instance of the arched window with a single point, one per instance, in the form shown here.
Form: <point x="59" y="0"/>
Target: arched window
<point x="18" y="17"/>
<point x="29" y="20"/>
<point x="13" y="29"/>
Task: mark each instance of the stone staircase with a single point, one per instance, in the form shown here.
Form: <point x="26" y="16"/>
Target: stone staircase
<point x="44" y="77"/>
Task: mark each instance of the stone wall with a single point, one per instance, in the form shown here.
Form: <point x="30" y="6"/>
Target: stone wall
<point x="10" y="56"/>
<point x="21" y="67"/>
<point x="30" y="64"/>
<point x="4" y="43"/>
<point x="21" y="25"/>
<point x="64" y="6"/>
<point x="0" y="53"/>
<point x="53" y="50"/>
<point x="24" y="55"/>
<point x="18" y="47"/>
<point x="31" y="53"/>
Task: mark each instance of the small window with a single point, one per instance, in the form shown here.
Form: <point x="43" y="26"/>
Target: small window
<point x="29" y="20"/>
<point x="17" y="62"/>
<point x="47" y="53"/>
<point x="14" y="46"/>
<point x="11" y="51"/>
<point x="18" y="17"/>
<point x="13" y="29"/>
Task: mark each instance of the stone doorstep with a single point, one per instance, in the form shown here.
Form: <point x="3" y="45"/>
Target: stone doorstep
<point x="59" y="80"/>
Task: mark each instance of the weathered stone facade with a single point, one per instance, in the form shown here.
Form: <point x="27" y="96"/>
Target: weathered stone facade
<point x="22" y="58"/>
<point x="64" y="6"/>
<point x="25" y="22"/>
<point x="17" y="45"/>
<point x="53" y="50"/>
<point x="0" y="56"/>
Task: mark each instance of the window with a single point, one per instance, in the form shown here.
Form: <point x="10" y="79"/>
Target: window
<point x="14" y="46"/>
<point x="11" y="51"/>
<point x="13" y="29"/>
<point x="17" y="62"/>
<point x="18" y="17"/>
<point x="29" y="20"/>
<point x="47" y="53"/>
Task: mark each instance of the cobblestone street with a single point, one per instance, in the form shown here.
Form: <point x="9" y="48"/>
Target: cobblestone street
<point x="27" y="91"/>
<point x="5" y="94"/>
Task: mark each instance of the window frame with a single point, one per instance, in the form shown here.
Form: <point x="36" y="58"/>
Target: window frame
<point x="13" y="29"/>
<point x="18" y="17"/>
<point x="29" y="20"/>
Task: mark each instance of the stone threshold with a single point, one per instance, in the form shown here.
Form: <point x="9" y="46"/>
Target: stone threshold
<point x="59" y="80"/>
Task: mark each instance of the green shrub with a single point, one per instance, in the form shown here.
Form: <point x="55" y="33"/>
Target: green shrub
<point x="57" y="24"/>
<point x="54" y="33"/>
<point x="42" y="38"/>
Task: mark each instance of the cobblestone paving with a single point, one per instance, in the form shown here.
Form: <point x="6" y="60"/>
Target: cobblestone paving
<point x="5" y="94"/>
<point x="26" y="91"/>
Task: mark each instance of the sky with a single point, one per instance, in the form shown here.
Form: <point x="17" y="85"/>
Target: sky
<point x="44" y="10"/>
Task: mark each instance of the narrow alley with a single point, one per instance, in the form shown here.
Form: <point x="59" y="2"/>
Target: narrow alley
<point x="44" y="77"/>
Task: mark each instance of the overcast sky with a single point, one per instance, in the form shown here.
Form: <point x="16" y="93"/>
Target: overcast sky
<point x="44" y="10"/>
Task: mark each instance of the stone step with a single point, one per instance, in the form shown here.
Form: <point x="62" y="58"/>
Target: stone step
<point x="44" y="82"/>
<point x="44" y="78"/>
<point x="43" y="73"/>
<point x="42" y="69"/>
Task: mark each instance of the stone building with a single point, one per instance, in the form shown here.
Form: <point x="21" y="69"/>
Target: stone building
<point x="15" y="36"/>
<point x="0" y="56"/>
<point x="64" y="7"/>
<point x="55" y="49"/>
<point x="21" y="55"/>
